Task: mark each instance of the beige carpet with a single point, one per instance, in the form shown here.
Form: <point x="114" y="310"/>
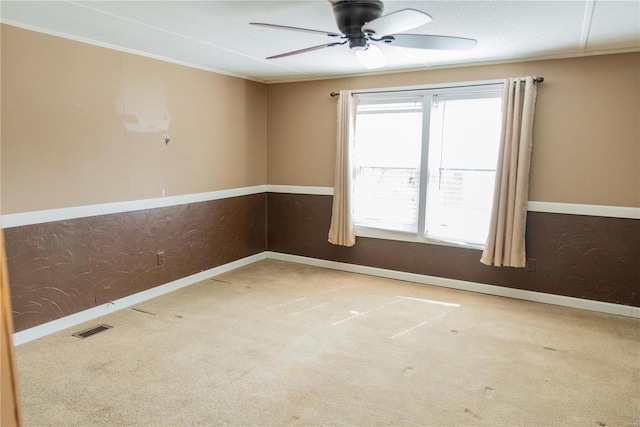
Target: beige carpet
<point x="277" y="344"/>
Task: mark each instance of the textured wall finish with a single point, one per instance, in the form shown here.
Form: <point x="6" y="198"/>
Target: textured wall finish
<point x="64" y="267"/>
<point x="586" y="257"/>
<point x="60" y="268"/>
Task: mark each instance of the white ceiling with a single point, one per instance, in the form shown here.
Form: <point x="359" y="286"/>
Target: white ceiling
<point x="216" y="35"/>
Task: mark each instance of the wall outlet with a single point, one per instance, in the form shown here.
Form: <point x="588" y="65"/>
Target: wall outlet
<point x="160" y="258"/>
<point x="530" y="265"/>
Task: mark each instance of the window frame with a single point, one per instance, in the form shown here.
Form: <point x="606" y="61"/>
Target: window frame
<point x="464" y="90"/>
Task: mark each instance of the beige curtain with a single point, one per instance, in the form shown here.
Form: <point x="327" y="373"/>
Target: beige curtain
<point x="341" y="231"/>
<point x="505" y="243"/>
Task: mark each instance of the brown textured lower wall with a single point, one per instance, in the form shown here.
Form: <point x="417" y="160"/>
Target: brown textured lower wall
<point x="64" y="267"/>
<point x="588" y="257"/>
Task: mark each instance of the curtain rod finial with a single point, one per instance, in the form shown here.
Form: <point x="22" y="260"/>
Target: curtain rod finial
<point x="334" y="94"/>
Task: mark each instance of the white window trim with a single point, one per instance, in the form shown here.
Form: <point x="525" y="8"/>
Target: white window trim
<point x="415" y="90"/>
<point x="378" y="233"/>
<point x="483" y="87"/>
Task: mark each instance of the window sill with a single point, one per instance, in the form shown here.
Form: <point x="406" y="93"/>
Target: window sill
<point x="376" y="233"/>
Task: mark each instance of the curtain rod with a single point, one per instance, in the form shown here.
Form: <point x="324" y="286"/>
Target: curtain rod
<point x="536" y="79"/>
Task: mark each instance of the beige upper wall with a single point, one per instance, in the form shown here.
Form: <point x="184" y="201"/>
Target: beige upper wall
<point x="84" y="125"/>
<point x="586" y="135"/>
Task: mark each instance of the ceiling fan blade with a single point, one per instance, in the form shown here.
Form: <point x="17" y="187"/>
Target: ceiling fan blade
<point x="397" y="22"/>
<point x="424" y="41"/>
<point x="304" y="30"/>
<point x="309" y="49"/>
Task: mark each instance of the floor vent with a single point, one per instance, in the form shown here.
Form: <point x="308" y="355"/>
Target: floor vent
<point x="92" y="331"/>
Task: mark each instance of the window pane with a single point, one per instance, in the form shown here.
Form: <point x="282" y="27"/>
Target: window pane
<point x="463" y="149"/>
<point x="387" y="165"/>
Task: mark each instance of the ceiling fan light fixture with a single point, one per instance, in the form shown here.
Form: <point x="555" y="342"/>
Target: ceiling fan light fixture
<point x="361" y="24"/>
<point x="372" y="57"/>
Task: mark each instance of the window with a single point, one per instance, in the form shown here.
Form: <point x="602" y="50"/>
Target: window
<point x="425" y="164"/>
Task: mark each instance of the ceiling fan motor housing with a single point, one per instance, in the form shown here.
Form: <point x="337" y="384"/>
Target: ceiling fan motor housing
<point x="351" y="15"/>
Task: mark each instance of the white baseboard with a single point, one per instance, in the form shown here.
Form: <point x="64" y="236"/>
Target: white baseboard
<point x="93" y="313"/>
<point x="57" y="325"/>
<point x="584" y="304"/>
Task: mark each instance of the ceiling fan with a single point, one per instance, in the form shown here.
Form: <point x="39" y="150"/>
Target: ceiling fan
<point x="363" y="27"/>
